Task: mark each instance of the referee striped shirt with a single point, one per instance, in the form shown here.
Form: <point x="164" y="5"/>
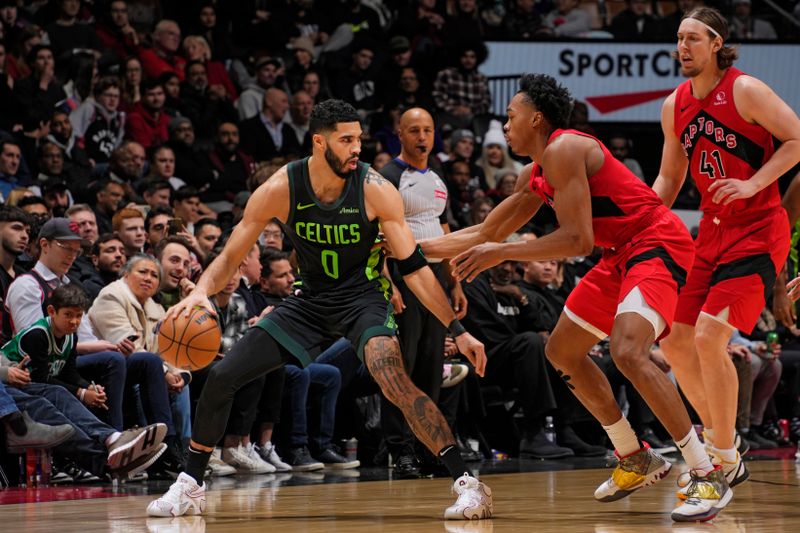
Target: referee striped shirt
<point x="424" y="197"/>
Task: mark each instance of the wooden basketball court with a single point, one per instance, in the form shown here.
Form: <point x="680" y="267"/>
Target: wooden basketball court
<point x="543" y="502"/>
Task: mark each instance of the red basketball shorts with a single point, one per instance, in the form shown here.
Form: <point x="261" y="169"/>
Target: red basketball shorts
<point x="656" y="261"/>
<point x="736" y="263"/>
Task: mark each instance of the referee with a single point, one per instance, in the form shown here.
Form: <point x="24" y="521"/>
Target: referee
<point x="421" y="335"/>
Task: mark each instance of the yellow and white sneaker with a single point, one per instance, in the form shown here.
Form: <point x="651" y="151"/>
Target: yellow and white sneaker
<point x="735" y="473"/>
<point x="705" y="498"/>
<point x="639" y="469"/>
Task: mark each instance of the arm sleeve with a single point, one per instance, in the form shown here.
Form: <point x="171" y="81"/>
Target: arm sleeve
<point x="24" y="302"/>
<point x="35" y="345"/>
<point x="70" y="378"/>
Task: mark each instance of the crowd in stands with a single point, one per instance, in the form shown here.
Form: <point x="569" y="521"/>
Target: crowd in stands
<point x="131" y="136"/>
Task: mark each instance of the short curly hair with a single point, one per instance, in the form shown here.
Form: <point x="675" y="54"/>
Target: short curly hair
<point x="549" y="97"/>
<point x="326" y="115"/>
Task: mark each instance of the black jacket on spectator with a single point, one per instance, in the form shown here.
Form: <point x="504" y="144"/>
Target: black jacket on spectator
<point x="257" y="141"/>
<point x="206" y="113"/>
<point x="64" y="39"/>
<point x="546" y="306"/>
<point x="91" y="280"/>
<point x="624" y="26"/>
<point x="230" y="175"/>
<point x="191" y="165"/>
<point x="486" y="321"/>
<point x="37" y="104"/>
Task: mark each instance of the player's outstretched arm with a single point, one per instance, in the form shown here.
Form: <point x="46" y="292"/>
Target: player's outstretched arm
<point x="757" y="103"/>
<point x="565" y="161"/>
<point x="384" y="202"/>
<point x="673" y="159"/>
<point x="270" y="200"/>
<point x="503" y="220"/>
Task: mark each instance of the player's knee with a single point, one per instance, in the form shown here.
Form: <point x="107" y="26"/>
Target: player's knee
<point x="628" y="354"/>
<point x="709" y="342"/>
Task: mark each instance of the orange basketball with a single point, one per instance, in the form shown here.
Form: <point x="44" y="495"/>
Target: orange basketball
<point x="189" y="343"/>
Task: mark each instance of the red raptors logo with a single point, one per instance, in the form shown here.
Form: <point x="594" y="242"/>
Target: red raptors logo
<point x="73" y="227"/>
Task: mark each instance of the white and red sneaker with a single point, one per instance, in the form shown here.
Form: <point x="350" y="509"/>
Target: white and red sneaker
<point x="184" y="497"/>
<point x="474" y="500"/>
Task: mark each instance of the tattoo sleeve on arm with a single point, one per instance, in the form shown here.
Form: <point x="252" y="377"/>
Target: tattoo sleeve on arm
<point x="374" y="177"/>
<point x="385" y="364"/>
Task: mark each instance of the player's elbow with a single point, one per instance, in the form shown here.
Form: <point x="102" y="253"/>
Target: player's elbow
<point x="581" y="243"/>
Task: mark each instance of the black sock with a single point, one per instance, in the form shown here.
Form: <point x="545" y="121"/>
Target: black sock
<point x="453" y="461"/>
<point x="16" y="423"/>
<point x="196" y="464"/>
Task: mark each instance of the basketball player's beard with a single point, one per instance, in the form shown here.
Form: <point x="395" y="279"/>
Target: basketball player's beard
<point x="336" y="164"/>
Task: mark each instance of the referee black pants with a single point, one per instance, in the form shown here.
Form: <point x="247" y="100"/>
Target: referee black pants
<point x="422" y="345"/>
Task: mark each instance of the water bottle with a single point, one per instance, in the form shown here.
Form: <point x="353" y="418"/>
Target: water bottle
<point x="772" y="344"/>
<point x="351" y="449"/>
<point x="549" y="429"/>
<point x="31" y="461"/>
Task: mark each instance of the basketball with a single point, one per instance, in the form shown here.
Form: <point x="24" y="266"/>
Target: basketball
<point x="189" y="342"/>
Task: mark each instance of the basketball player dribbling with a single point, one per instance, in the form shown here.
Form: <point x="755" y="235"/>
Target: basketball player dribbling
<point x="330" y="206"/>
<point x="630" y="294"/>
<point x="719" y="124"/>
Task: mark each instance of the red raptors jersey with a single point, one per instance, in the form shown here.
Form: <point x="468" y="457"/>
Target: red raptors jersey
<point x="622" y="205"/>
<point x="721" y="144"/>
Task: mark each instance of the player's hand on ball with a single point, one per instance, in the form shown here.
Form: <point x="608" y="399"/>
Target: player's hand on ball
<point x="185" y="306"/>
<point x="473" y="349"/>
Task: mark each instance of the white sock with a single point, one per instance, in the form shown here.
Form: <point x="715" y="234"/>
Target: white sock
<point x="728" y="455"/>
<point x="622" y="437"/>
<point x="694" y="454"/>
<point x="113" y="438"/>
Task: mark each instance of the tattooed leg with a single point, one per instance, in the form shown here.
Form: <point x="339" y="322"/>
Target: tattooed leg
<point x="567" y="351"/>
<point x="385" y="364"/>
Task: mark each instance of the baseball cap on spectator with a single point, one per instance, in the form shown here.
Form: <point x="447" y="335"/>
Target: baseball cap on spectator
<point x="458" y="135"/>
<point x="60" y="229"/>
<point x="495" y="135"/>
<point x="303" y="42"/>
<point x="53" y="185"/>
<point x="399" y="44"/>
<point x="268" y="60"/>
<point x="176" y="123"/>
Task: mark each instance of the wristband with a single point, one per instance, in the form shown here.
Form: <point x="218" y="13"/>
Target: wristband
<point x="81" y="394"/>
<point x="456" y="328"/>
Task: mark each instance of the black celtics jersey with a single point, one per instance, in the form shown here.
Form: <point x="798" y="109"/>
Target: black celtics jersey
<point x="333" y="241"/>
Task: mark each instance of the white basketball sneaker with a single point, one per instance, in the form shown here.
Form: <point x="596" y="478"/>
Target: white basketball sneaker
<point x="474" y="500"/>
<point x="184" y="497"/>
<point x="707" y="496"/>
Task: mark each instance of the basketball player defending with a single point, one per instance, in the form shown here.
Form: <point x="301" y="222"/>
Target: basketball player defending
<point x="330" y="206"/>
<point x="630" y="294"/>
<point x="720" y="124"/>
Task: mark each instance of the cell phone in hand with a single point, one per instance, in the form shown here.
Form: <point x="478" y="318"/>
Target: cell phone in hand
<point x="132" y="338"/>
<point x="175" y="226"/>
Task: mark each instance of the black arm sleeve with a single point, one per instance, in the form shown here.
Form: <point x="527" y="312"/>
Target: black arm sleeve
<point x="34" y="344"/>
